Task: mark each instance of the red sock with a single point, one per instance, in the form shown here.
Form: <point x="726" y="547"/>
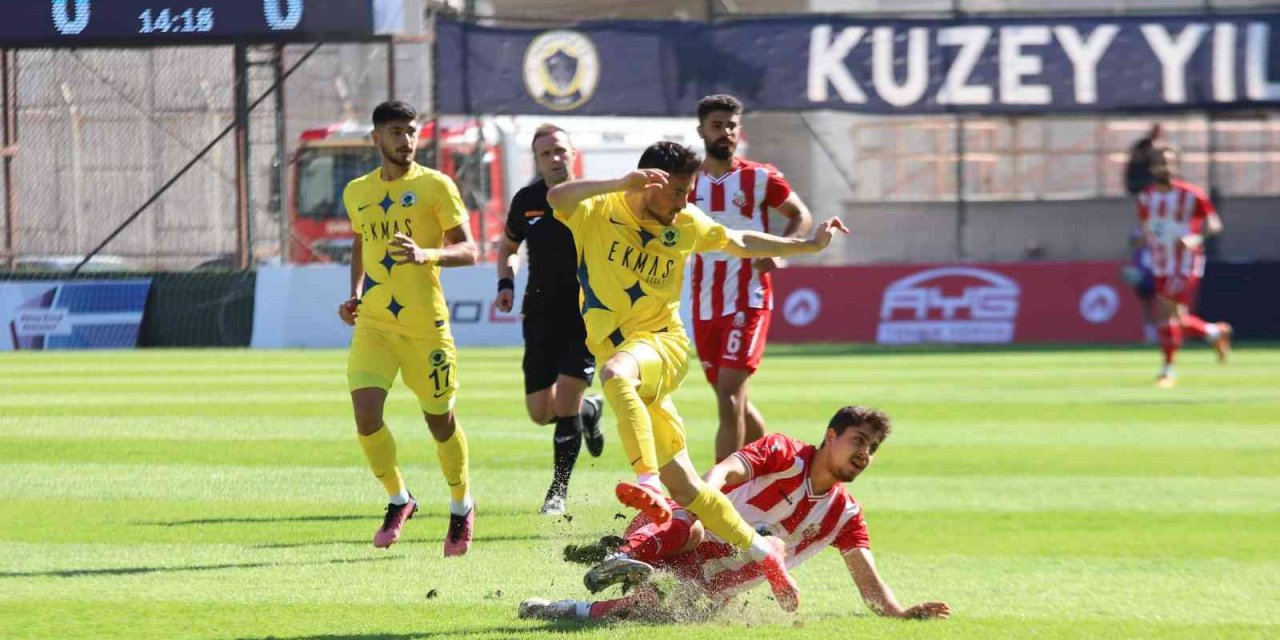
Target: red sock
<point x="653" y="542"/>
<point x="638" y="602"/>
<point x="1193" y="326"/>
<point x="605" y="608"/>
<point x="1170" y="339"/>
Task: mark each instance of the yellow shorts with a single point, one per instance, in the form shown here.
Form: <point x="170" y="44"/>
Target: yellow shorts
<point x="428" y="366"/>
<point x="668" y="430"/>
<point x="664" y="364"/>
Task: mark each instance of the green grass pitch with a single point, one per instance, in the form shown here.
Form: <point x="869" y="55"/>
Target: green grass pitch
<point x="1042" y="493"/>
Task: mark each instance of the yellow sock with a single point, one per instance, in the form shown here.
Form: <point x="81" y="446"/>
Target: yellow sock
<point x="719" y="517"/>
<point x="380" y="450"/>
<point x="454" y="463"/>
<point x="635" y="428"/>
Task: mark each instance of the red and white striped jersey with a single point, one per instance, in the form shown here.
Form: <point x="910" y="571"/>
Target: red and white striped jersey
<point x="1167" y="217"/>
<point x="740" y="199"/>
<point x="778" y="498"/>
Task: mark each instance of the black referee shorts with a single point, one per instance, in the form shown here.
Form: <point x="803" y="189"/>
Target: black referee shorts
<point x="555" y="342"/>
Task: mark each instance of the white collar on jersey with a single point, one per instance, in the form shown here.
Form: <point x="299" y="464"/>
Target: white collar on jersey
<point x="808" y="488"/>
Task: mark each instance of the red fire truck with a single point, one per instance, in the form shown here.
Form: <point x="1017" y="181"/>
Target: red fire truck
<point x="489" y="161"/>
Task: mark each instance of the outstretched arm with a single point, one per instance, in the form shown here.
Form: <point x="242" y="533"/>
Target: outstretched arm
<point x="879" y="597"/>
<point x="731" y="470"/>
<point x="799" y="220"/>
<point x="752" y="244"/>
<point x="566" y="196"/>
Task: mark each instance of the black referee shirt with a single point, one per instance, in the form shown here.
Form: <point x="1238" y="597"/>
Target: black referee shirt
<point x="553" y="268"/>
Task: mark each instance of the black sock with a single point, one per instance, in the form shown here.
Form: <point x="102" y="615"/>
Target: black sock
<point x="567" y="443"/>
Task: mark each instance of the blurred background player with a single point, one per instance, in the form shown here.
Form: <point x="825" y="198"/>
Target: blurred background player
<point x="793" y="490"/>
<point x="1176" y="216"/>
<point x="409" y="222"/>
<point x="1142" y="281"/>
<point x="634" y="235"/>
<point x="557" y="365"/>
<point x="1137" y="273"/>
<point x="733" y="296"/>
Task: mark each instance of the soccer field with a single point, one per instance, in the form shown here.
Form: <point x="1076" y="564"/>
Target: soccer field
<point x="1042" y="493"/>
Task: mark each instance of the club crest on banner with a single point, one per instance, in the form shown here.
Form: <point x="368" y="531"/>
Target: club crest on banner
<point x="561" y="69"/>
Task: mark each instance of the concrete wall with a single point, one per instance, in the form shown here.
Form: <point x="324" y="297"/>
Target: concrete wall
<point x="1060" y="230"/>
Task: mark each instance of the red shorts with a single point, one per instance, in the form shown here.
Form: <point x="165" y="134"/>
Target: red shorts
<point x="735" y="341"/>
<point x="715" y="566"/>
<point x="1180" y="289"/>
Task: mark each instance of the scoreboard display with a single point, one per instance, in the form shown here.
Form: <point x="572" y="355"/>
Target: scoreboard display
<point x="74" y="23"/>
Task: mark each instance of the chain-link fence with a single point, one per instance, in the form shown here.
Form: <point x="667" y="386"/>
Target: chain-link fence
<point x="99" y="131"/>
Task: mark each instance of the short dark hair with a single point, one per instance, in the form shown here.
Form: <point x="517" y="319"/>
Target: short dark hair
<point x="854" y="415"/>
<point x="718" y="102"/>
<point x="545" y="130"/>
<point x="672" y="157"/>
<point x="392" y="111"/>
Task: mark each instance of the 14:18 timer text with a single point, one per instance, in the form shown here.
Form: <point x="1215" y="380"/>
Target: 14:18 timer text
<point x="167" y="21"/>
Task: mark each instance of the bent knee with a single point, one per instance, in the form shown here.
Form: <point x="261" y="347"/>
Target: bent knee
<point x="368" y="423"/>
<point x="539" y="406"/>
<point x="621" y="365"/>
<point x="541" y="415"/>
<point x="367" y="410"/>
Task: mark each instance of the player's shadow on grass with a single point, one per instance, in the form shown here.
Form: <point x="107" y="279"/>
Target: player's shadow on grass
<point x="253" y="520"/>
<point x="316" y="518"/>
<point x="365" y="541"/>
<point x="129" y="571"/>
<point x="554" y="627"/>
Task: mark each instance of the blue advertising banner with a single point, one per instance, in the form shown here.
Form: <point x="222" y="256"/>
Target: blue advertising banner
<point x="988" y="65"/>
<point x="80" y="314"/>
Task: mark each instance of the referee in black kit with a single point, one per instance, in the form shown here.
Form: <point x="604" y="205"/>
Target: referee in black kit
<point x="557" y="366"/>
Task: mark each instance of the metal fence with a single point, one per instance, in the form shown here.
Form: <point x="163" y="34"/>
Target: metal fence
<point x="99" y="131"/>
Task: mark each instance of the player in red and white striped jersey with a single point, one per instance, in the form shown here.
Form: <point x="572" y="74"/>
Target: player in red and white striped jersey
<point x="733" y="297"/>
<point x="791" y="490"/>
<point x="1176" y="216"/>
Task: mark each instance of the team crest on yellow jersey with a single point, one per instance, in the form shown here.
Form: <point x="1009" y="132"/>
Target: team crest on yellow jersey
<point x="408" y="199"/>
<point x="669" y="237"/>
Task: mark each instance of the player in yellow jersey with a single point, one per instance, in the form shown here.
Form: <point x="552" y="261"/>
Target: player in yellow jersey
<point x="409" y="222"/>
<point x="634" y="235"/>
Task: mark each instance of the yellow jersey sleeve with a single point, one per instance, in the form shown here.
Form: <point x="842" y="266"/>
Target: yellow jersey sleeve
<point x="576" y="218"/>
<point x="450" y="210"/>
<point x="349" y="206"/>
<point x="710" y="235"/>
